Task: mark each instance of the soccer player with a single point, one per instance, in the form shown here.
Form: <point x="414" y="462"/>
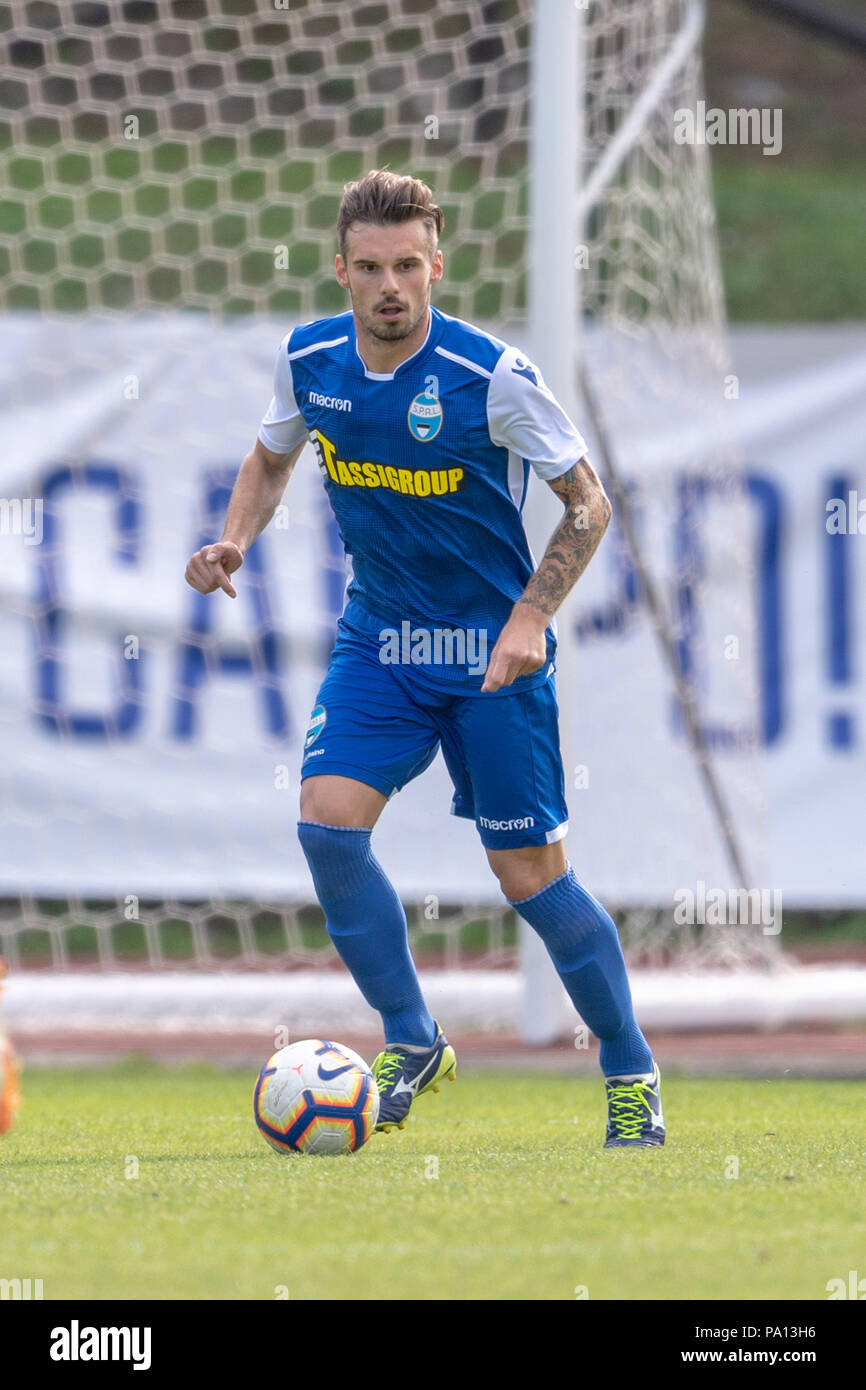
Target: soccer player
<point x="425" y="429"/>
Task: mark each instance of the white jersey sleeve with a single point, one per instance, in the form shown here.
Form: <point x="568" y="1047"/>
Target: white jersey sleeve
<point x="525" y="417"/>
<point x="283" y="428"/>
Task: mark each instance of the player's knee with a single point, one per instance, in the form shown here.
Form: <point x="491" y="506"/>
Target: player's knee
<point x="319" y="803"/>
<point x="522" y="872"/>
<point x="340" y="801"/>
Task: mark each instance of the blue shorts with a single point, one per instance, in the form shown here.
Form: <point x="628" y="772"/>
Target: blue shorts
<point x="374" y="723"/>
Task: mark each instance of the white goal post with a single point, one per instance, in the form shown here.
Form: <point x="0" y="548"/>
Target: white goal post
<point x="606" y="158"/>
<point x="554" y="323"/>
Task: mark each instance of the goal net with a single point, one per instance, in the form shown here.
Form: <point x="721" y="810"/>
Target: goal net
<point x="172" y="174"/>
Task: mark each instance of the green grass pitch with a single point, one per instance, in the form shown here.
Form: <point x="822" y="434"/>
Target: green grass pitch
<point x="498" y="1188"/>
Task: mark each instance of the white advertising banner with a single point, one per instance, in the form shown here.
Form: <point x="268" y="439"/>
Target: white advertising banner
<point x="150" y="737"/>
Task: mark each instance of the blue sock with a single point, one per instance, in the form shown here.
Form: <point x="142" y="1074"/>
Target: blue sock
<point x="367" y="924"/>
<point x="583" y="944"/>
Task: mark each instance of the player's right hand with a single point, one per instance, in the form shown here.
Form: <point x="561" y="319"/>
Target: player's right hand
<point x="210" y="567"/>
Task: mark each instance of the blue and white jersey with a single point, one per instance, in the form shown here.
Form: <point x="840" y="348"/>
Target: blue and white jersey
<point x="426" y="468"/>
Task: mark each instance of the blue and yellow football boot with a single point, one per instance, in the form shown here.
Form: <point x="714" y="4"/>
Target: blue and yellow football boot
<point x="634" y="1111"/>
<point x="404" y="1071"/>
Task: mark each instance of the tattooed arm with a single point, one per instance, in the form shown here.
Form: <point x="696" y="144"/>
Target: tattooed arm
<point x="522" y="647"/>
<point x="575" y="540"/>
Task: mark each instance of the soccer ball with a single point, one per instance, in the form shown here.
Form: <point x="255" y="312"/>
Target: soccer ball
<point x="316" y="1097"/>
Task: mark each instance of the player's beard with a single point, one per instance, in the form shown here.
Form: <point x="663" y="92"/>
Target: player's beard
<point x="386" y="332"/>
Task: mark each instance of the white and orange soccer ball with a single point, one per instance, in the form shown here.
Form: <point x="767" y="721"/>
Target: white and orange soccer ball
<point x="316" y="1097"/>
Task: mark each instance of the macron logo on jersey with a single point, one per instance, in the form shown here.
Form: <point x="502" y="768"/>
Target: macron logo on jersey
<point x="522" y="368"/>
<point x="330" y="402"/>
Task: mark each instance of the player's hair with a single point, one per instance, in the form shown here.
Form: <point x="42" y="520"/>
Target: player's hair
<point x="383" y="198"/>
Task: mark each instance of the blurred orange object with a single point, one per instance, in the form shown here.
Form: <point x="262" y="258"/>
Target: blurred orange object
<point x="9" y="1092"/>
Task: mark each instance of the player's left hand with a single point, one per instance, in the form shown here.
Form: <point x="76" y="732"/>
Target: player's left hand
<point x="521" y="649"/>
